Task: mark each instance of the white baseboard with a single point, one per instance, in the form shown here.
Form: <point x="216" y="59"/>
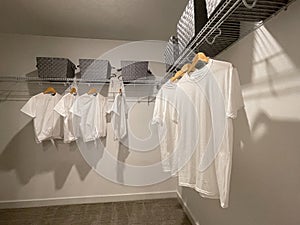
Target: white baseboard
<point x="186" y="209"/>
<point x="86" y="199"/>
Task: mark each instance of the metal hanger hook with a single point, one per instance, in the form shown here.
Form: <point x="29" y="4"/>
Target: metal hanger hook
<point x="247" y="5"/>
<point x="213" y="40"/>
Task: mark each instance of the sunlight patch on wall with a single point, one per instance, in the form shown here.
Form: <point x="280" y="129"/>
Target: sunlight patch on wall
<point x="269" y="59"/>
<point x="273" y="72"/>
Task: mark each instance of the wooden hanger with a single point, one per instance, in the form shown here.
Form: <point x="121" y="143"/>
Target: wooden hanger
<point x="73" y="91"/>
<point x="180" y="73"/>
<point x="198" y="57"/>
<point x="50" y="90"/>
<point x="92" y="91"/>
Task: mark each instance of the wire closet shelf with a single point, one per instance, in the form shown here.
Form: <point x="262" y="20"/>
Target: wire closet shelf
<point x="232" y="21"/>
<point x="21" y="88"/>
<point x="71" y="80"/>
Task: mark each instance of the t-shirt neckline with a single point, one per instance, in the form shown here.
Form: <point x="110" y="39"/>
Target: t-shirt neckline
<point x="199" y="74"/>
<point x="170" y="84"/>
<point x="49" y="94"/>
<point x="91" y="95"/>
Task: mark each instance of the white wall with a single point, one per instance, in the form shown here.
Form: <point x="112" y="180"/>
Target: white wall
<point x="265" y="176"/>
<point x="30" y="171"/>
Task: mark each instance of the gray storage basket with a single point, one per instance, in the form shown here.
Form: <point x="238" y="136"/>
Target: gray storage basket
<point x="94" y="69"/>
<point x="172" y="52"/>
<point x="211" y="5"/>
<point x="49" y="67"/>
<point x="191" y="22"/>
<point x="134" y="70"/>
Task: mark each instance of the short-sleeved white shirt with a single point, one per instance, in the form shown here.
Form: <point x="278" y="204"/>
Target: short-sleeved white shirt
<point x="118" y="113"/>
<point x="115" y="84"/>
<point x="63" y="108"/>
<point x="92" y="111"/>
<point x="47" y="122"/>
<point x="164" y="103"/>
<point x="206" y="101"/>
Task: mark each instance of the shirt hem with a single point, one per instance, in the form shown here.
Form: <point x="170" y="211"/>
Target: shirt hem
<point x="203" y="193"/>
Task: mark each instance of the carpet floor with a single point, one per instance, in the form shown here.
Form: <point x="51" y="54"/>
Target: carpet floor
<point x="147" y="212"/>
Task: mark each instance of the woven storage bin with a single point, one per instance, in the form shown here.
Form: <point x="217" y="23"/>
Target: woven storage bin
<point x="55" y="67"/>
<point x="211" y="5"/>
<point x="191" y="22"/>
<point x="172" y="52"/>
<point x="94" y="69"/>
<point x="134" y="70"/>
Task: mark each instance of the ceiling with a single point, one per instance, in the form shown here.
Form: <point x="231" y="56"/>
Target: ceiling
<point x="103" y="19"/>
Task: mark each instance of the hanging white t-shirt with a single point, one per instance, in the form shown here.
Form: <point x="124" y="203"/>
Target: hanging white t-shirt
<point x="47" y="122"/>
<point x="115" y="84"/>
<point x="118" y="113"/>
<point x="164" y="103"/>
<point x="92" y="111"/>
<point x="206" y="101"/>
<point x="63" y="108"/>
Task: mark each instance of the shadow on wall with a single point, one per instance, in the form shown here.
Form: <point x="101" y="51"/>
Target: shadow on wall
<point x="265" y="176"/>
<point x="246" y="59"/>
<point x="123" y="154"/>
<point x="28" y="159"/>
<point x="38" y="87"/>
<point x="265" y="170"/>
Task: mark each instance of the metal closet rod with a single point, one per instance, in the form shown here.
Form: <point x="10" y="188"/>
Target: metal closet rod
<point x="70" y="80"/>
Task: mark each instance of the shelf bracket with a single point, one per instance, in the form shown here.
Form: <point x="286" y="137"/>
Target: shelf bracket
<point x="213" y="40"/>
<point x="247" y="5"/>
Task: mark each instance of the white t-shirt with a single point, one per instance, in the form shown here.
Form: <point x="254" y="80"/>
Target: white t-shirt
<point x="115" y="84"/>
<point x="92" y="111"/>
<point x="47" y="122"/>
<point x="119" y="112"/>
<point x="164" y="103"/>
<point x="63" y="108"/>
<point x="206" y="101"/>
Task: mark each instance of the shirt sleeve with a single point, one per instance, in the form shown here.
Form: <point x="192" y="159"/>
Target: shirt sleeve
<point x="126" y="107"/>
<point x="123" y="120"/>
<point x="60" y="107"/>
<point x="105" y="106"/>
<point x="75" y="109"/>
<point x="114" y="107"/>
<point x="30" y="107"/>
<point x="157" y="117"/>
<point x="235" y="99"/>
<point x="175" y="107"/>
